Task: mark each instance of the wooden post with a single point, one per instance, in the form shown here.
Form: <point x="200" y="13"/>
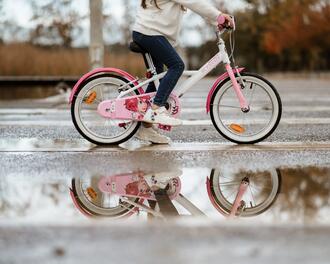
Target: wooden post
<point x="96" y="50"/>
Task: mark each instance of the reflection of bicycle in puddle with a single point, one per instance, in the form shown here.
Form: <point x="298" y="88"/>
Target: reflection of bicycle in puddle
<point x="232" y="194"/>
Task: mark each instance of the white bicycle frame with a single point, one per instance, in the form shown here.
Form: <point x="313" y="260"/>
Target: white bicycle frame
<point x="183" y="201"/>
<point x="195" y="76"/>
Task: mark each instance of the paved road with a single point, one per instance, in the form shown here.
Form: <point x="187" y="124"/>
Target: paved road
<point x="302" y="138"/>
<point x="171" y="243"/>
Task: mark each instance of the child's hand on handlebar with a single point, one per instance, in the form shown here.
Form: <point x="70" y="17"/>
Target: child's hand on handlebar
<point x="226" y="21"/>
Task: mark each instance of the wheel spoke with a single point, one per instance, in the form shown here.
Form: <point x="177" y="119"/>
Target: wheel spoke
<point x="252" y="196"/>
<point x="261" y="187"/>
<point x="231" y="194"/>
<point x="228" y="106"/>
<point x="251" y="95"/>
<point x="230" y="183"/>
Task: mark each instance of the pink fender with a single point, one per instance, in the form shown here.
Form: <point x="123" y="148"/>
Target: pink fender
<point x="77" y="205"/>
<point x="102" y="70"/>
<point x="215" y="85"/>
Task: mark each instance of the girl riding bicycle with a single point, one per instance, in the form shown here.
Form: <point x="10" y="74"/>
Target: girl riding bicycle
<point x="156" y="30"/>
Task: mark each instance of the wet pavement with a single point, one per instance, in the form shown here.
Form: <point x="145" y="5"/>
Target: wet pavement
<point x="67" y="198"/>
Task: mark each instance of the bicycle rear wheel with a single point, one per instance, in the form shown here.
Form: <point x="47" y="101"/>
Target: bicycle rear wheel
<point x="251" y="127"/>
<point x="89" y="123"/>
<point x="92" y="200"/>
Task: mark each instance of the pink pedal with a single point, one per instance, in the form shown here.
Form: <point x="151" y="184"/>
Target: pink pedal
<point x="122" y="125"/>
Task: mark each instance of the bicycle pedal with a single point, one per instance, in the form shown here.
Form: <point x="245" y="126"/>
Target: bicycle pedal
<point x="122" y="125"/>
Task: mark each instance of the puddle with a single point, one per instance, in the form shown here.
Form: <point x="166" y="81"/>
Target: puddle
<point x="278" y="195"/>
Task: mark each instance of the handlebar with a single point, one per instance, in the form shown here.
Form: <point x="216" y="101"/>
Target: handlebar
<point x="223" y="25"/>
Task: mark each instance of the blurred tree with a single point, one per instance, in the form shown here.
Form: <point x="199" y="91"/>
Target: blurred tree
<point x="305" y="192"/>
<point x="285" y="34"/>
<point x="9" y="30"/>
<point x="128" y="20"/>
<point x="111" y="27"/>
<point x="2" y="20"/>
<point x="96" y="49"/>
<point x="300" y="30"/>
<point x="250" y="28"/>
<point x="57" y="23"/>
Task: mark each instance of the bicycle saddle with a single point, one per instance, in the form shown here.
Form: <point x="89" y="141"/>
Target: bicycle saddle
<point x="133" y="46"/>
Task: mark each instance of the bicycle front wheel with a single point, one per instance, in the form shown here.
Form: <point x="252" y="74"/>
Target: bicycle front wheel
<point x="255" y="125"/>
<point x="264" y="187"/>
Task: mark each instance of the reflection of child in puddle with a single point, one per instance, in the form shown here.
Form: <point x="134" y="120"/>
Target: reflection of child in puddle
<point x="140" y="105"/>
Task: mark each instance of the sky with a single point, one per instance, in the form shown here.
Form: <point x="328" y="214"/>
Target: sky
<point x="20" y="11"/>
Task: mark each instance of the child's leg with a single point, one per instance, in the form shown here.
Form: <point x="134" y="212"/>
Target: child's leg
<point x="160" y="48"/>
<point x="175" y="67"/>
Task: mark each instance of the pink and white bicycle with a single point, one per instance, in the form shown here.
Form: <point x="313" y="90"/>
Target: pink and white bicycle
<point x="108" y="104"/>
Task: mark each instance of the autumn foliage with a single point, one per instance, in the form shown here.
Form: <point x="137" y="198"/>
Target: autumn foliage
<point x="289" y="34"/>
<point x="302" y="26"/>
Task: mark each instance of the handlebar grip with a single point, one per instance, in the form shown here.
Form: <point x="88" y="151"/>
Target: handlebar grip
<point x="221" y="20"/>
<point x="222" y="23"/>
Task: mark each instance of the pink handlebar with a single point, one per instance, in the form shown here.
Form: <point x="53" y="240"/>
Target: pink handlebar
<point x="222" y="23"/>
<point x="221" y="20"/>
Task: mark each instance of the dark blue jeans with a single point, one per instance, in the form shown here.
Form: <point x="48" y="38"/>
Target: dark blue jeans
<point x="162" y="53"/>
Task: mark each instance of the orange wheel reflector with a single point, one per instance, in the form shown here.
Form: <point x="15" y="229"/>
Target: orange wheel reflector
<point x="92" y="193"/>
<point x="237" y="128"/>
<point x="90" y="98"/>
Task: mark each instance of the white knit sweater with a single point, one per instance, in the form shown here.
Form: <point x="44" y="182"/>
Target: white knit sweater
<point x="166" y="21"/>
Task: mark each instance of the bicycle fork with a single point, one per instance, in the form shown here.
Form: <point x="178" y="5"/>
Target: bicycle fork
<point x="239" y="204"/>
<point x="237" y="87"/>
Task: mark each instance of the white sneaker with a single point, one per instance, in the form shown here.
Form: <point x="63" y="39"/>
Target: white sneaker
<point x="161" y="116"/>
<point x="150" y="134"/>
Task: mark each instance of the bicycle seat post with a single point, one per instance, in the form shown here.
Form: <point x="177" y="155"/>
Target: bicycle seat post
<point x="150" y="67"/>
